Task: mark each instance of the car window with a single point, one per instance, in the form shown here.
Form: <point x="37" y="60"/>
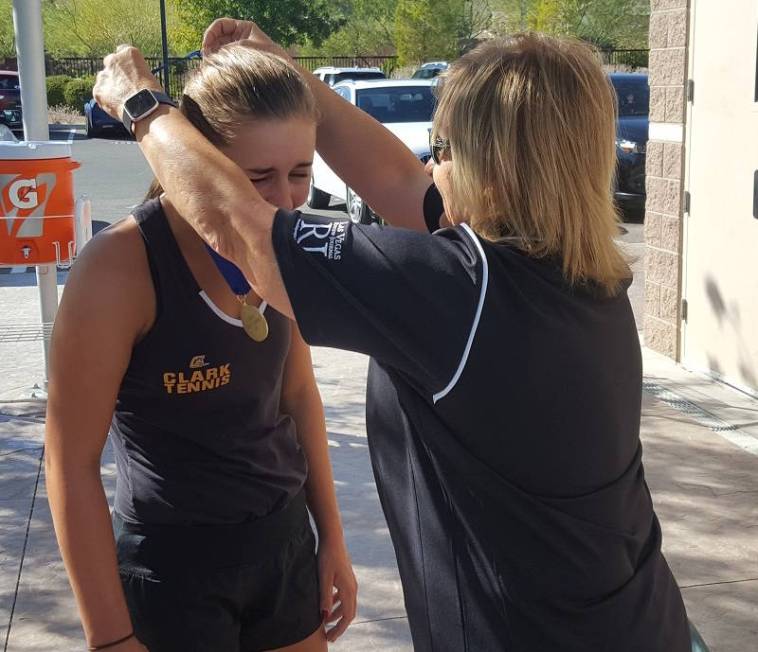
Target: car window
<point x="400" y="104"/>
<point x="356" y="76"/>
<point x="633" y="96"/>
<point x="426" y="73"/>
<point x="344" y="92"/>
<point x="9" y="83"/>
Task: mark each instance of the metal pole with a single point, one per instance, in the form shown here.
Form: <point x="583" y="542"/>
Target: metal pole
<point x="164" y="39"/>
<point x="30" y="48"/>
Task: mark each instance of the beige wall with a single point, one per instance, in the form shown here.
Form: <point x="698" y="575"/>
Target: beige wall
<point x="720" y="235"/>
<point x="665" y="163"/>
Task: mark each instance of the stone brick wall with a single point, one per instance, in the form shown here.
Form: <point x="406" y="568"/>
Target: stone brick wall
<point x="664" y="170"/>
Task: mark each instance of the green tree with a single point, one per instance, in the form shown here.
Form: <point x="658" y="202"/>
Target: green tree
<point x="435" y="29"/>
<point x="607" y="23"/>
<point x="369" y="28"/>
<point x="476" y="22"/>
<point x="94" y="27"/>
<point x="7" y="41"/>
<point x="288" y="22"/>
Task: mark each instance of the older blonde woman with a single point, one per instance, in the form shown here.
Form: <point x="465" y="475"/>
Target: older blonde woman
<point x="503" y="399"/>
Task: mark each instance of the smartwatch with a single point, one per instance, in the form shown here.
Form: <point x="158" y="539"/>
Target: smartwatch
<point x="142" y="104"/>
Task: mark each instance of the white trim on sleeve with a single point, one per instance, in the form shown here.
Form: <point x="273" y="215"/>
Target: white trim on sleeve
<point x="485" y="278"/>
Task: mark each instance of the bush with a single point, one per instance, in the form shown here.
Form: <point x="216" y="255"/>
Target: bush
<point x="64" y="115"/>
<point x="56" y="86"/>
<point x="78" y="91"/>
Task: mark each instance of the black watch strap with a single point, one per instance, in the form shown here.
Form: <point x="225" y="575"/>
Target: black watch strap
<point x="159" y="96"/>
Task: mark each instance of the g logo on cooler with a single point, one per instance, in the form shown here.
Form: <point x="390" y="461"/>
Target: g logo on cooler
<point x="24" y="200"/>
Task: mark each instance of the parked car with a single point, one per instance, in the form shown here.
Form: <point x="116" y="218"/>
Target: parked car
<point x="404" y="107"/>
<point x="10" y="100"/>
<point x="99" y="122"/>
<point x="430" y="70"/>
<point x="631" y="140"/>
<point x="334" y="76"/>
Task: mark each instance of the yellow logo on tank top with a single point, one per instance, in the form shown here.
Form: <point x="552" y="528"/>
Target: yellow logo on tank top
<point x="204" y="377"/>
<point x="198" y="362"/>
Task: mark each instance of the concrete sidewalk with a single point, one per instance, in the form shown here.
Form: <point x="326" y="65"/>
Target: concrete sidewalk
<point x="701" y="459"/>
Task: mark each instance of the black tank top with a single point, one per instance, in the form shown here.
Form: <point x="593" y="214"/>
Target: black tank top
<point x="198" y="433"/>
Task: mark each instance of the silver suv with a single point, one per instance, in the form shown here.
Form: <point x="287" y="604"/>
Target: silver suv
<point x="430" y="70"/>
<point x="333" y="76"/>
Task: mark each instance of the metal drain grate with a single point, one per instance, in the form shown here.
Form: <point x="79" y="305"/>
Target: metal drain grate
<point x="23" y="332"/>
<point x="730" y="432"/>
<point x="698" y="414"/>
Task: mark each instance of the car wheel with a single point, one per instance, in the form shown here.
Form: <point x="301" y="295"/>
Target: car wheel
<point x="357" y="210"/>
<point x="317" y="198"/>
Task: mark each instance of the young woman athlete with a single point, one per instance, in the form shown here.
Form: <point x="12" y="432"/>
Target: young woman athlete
<point x="217" y="425"/>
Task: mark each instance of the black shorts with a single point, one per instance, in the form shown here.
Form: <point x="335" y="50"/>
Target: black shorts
<point x="229" y="588"/>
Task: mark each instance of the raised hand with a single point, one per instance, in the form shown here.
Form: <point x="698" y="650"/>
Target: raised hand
<point x="124" y="73"/>
<point x="223" y="31"/>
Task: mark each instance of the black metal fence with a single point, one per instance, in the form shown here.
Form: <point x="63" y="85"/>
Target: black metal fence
<point x="633" y="59"/>
<point x="179" y="68"/>
<point x="178" y="72"/>
<point x="386" y="63"/>
<point x="73" y="66"/>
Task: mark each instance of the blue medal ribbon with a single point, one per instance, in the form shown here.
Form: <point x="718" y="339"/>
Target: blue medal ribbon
<point x="234" y="277"/>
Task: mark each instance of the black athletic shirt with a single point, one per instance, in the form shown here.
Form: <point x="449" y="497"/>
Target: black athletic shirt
<point x="198" y="432"/>
<point x="503" y="416"/>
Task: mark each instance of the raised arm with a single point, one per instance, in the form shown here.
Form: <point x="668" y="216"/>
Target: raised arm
<point x="208" y="190"/>
<point x="370" y="158"/>
<point x="96" y="326"/>
<point x="366" y="155"/>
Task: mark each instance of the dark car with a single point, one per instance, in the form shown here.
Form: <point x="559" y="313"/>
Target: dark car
<point x="631" y="141"/>
<point x="99" y="122"/>
<point x="10" y="100"/>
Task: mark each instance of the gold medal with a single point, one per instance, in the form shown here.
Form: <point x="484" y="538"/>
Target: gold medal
<point x="253" y="322"/>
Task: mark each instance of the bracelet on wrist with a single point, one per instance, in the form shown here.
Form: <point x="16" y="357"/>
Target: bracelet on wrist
<point x="105" y="646"/>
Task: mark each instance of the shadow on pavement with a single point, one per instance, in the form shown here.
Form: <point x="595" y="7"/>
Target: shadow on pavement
<point x="705" y="490"/>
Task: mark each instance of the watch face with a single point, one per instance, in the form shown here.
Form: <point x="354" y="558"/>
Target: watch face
<point x="140" y="103"/>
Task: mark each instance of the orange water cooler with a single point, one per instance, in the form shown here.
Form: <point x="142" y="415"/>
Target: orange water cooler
<point x="37" y="208"/>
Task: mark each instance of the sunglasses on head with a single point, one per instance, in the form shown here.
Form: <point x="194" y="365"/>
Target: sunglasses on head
<point x="438" y="147"/>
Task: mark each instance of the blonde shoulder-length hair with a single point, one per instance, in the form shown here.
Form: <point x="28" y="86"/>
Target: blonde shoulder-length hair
<point x="531" y="122"/>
